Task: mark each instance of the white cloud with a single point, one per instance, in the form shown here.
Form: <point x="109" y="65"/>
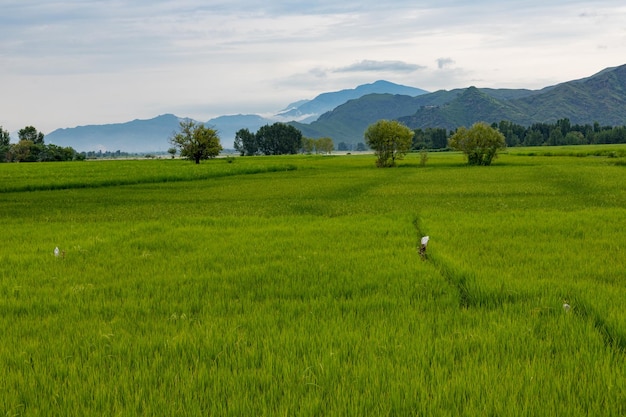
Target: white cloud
<point x="380" y="66"/>
<point x="70" y="62"/>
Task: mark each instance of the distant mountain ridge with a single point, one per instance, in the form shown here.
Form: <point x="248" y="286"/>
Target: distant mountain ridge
<point x="307" y="111"/>
<point x="134" y="136"/>
<point x="152" y="135"/>
<point x="599" y="98"/>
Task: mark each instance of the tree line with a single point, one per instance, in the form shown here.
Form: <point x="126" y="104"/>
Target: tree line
<point x="32" y="148"/>
<point x="562" y="132"/>
<point x="275" y="139"/>
<point x="197" y="142"/>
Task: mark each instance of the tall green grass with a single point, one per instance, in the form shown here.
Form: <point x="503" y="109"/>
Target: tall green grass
<point x="245" y="289"/>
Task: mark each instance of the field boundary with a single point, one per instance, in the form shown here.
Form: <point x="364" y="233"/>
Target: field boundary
<point x="147" y="180"/>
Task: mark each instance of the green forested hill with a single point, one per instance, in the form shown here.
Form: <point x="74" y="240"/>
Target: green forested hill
<point x="600" y="98"/>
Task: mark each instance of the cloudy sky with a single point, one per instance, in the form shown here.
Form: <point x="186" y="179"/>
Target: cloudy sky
<point x="74" y="62"/>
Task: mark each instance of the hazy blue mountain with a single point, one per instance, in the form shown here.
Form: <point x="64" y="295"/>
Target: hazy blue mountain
<point x="136" y="136"/>
<point x="348" y="121"/>
<point x="307" y="111"/>
<point x="227" y="126"/>
<point x="599" y="98"/>
<point x="152" y="135"/>
<point x="294" y="105"/>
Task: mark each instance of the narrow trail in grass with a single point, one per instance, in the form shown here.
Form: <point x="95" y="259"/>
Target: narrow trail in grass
<point x="470" y="296"/>
<point x="611" y="335"/>
<point x="463" y="282"/>
<point x="456" y="281"/>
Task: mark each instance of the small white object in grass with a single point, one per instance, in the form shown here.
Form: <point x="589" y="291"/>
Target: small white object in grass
<point x="425" y="240"/>
<point x="566" y="307"/>
<point x="56" y="251"/>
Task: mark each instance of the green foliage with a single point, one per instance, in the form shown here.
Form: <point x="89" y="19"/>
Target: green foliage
<point x="308" y="145"/>
<point x="321" y="145"/>
<point x="5" y="137"/>
<point x="562" y="132"/>
<point x="430" y="138"/>
<point x="31" y="148"/>
<point x="480" y="143"/>
<point x="423" y="157"/>
<point x="196" y="141"/>
<point x="24" y="151"/>
<point x="324" y="145"/>
<point x="390" y="141"/>
<point x="29" y="133"/>
<point x="246" y="143"/>
<point x="278" y="139"/>
<point x="28" y="151"/>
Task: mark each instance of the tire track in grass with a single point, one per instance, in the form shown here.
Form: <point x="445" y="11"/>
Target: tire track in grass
<point x="611" y="336"/>
<point x="454" y="279"/>
<point x="471" y="296"/>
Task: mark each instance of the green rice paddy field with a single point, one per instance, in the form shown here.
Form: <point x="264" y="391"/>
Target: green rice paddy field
<point x="292" y="286"/>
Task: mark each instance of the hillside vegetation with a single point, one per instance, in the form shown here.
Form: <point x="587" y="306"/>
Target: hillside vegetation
<point x="600" y="98"/>
<point x="293" y="286"/>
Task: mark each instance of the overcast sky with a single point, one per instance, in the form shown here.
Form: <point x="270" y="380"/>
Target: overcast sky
<point x="77" y="62"/>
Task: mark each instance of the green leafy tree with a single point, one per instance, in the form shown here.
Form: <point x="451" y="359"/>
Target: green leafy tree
<point x="31" y="134"/>
<point x="279" y="139"/>
<point x="196" y="141"/>
<point x="324" y="145"/>
<point x="23" y="151"/>
<point x="574" y="138"/>
<point x="5" y="144"/>
<point x="342" y="146"/>
<point x="308" y="145"/>
<point x="556" y="137"/>
<point x="390" y="140"/>
<point x="431" y="138"/>
<point x="246" y="143"/>
<point x="480" y="143"/>
<point x="533" y="138"/>
<point x="5" y="137"/>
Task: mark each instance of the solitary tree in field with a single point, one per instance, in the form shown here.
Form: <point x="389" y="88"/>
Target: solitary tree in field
<point x="196" y="141"/>
<point x="390" y="140"/>
<point x="480" y="143"/>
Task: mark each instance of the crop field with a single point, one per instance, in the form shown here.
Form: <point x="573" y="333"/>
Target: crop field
<point x="292" y="286"/>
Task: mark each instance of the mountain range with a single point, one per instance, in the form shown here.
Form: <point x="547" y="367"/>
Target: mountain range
<point x="600" y="98"/>
<point x="151" y="135"/>
<point x="344" y="115"/>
